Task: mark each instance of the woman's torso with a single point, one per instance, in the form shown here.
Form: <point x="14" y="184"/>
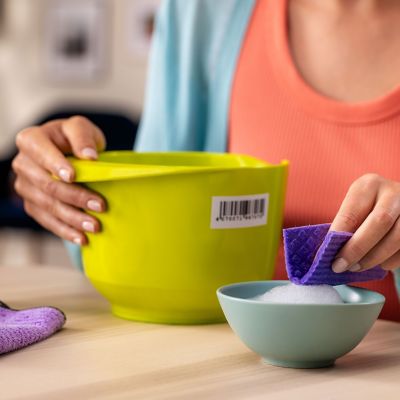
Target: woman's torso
<point x="275" y="115"/>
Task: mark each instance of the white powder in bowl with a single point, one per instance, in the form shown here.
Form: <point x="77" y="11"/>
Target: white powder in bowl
<point x="301" y="294"/>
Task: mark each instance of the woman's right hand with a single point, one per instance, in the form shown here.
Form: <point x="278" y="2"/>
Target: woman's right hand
<point x="58" y="205"/>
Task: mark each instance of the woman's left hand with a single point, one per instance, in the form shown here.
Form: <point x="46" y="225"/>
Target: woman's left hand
<point x="371" y="209"/>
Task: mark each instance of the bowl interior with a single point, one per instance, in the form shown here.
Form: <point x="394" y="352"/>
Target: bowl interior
<point x="246" y="291"/>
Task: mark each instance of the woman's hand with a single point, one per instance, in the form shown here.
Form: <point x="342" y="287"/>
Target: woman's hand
<point x="371" y="209"/>
<point x="58" y="205"/>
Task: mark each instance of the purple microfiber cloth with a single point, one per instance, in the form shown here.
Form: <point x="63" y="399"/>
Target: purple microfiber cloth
<point x="310" y="252"/>
<point x="20" y="328"/>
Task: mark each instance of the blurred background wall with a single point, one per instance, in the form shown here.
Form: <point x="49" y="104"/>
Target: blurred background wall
<point x="59" y="58"/>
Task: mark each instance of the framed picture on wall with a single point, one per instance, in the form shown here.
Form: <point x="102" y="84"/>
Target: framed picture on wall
<point x="140" y="24"/>
<point x="76" y="40"/>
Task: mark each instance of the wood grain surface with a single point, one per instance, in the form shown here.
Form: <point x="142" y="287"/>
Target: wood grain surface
<point x="98" y="356"/>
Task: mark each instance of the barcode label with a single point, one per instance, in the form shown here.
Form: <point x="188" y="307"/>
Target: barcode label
<point x="239" y="211"/>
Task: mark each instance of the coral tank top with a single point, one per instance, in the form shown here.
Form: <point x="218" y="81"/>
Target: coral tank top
<point x="275" y="115"/>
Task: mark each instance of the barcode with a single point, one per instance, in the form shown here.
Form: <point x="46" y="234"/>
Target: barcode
<point x="239" y="211"/>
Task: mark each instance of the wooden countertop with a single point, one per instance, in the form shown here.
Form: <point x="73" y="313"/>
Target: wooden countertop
<point x="98" y="356"/>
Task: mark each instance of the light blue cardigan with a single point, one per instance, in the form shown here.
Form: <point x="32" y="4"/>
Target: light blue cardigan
<point x="195" y="49"/>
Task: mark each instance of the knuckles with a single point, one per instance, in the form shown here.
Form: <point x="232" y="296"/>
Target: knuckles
<point x="77" y="120"/>
<point x="16" y="165"/>
<point x="71" y="193"/>
<point x="25" y="136"/>
<point x="51" y="207"/>
<point x="385" y="218"/>
<point x="367" y="183"/>
<point x="21" y="137"/>
<point x="50" y="187"/>
<point x="81" y="198"/>
<point x="371" y="179"/>
<point x="349" y="219"/>
<point x="28" y="208"/>
<point x="354" y="252"/>
<point x="18" y="186"/>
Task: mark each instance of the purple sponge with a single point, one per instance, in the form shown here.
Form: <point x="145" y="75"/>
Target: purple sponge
<point x="310" y="252"/>
<point x="19" y="329"/>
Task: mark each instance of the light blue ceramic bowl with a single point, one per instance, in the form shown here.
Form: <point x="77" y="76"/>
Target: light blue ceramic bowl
<point x="299" y="335"/>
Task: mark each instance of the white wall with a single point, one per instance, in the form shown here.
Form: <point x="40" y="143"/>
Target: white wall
<point x="27" y="93"/>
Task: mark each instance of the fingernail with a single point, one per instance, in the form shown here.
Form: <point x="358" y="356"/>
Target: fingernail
<point x="65" y="175"/>
<point x="88" y="226"/>
<point x="355" y="267"/>
<point x="77" y="241"/>
<point x="89" y="153"/>
<point x="340" y="265"/>
<point x="94" y="205"/>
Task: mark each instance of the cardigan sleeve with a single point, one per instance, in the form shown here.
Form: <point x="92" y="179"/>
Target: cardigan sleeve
<point x="195" y="48"/>
<point x="175" y="109"/>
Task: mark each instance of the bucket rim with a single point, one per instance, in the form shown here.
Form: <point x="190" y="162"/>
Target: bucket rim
<point x="105" y="169"/>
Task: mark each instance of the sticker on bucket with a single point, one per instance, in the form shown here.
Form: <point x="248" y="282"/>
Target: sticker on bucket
<point x="229" y="212"/>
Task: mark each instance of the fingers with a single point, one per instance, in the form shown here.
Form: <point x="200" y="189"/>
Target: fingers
<point x="47" y="144"/>
<point x="392" y="263"/>
<point x="373" y="205"/>
<point x="51" y="223"/>
<point x="384" y="250"/>
<point x="30" y="175"/>
<point x="357" y="204"/>
<point x="55" y="204"/>
<point x="65" y="213"/>
<point x="85" y="137"/>
<point x="371" y="231"/>
<point x="38" y="146"/>
<point x="58" y="205"/>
